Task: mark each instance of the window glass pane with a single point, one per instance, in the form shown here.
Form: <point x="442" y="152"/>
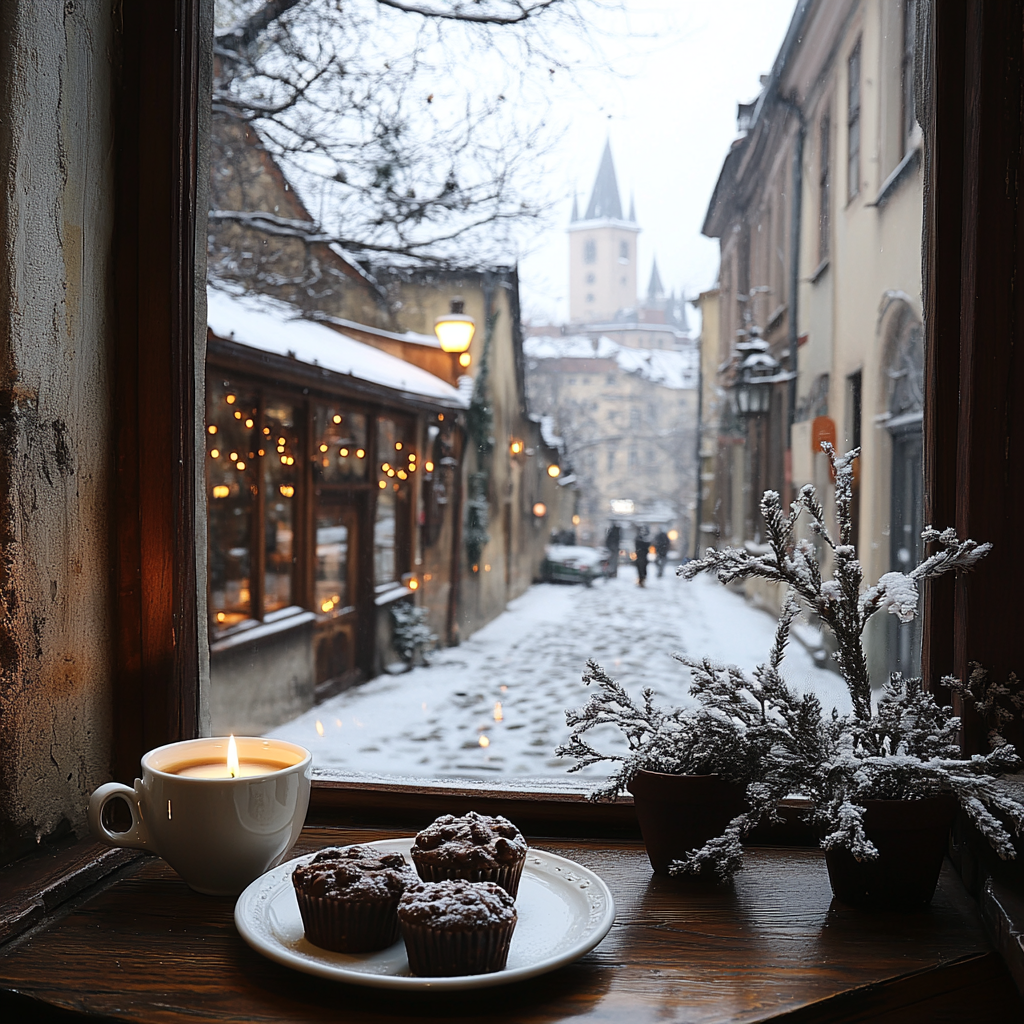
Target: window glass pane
<point x="333" y="550"/>
<point x="231" y="487"/>
<point x="711" y="297"/>
<point x="339" y="445"/>
<point x="283" y="462"/>
<point x="384" y="538"/>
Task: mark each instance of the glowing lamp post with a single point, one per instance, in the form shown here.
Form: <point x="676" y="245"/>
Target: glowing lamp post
<point x="455" y="331"/>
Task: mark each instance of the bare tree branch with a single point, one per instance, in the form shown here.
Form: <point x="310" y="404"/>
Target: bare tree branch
<point x="521" y="12"/>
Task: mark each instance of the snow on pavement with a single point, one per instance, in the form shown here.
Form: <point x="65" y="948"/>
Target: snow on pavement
<point x="494" y="706"/>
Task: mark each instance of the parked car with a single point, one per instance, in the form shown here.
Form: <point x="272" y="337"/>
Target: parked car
<point x="564" y="563"/>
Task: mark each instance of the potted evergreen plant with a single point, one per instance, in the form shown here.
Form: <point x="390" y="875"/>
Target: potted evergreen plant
<point x="886" y="779"/>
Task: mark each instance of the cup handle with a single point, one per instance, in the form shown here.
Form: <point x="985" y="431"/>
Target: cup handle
<point x="137" y="837"/>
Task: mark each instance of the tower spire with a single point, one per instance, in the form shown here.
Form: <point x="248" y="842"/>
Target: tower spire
<point x="604" y="200"/>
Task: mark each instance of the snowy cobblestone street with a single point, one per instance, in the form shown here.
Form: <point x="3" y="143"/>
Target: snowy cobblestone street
<point x="494" y="706"/>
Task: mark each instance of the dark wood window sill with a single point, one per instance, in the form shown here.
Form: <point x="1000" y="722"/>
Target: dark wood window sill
<point x="770" y="947"/>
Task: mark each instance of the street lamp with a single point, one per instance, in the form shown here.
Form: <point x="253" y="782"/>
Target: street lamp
<point x="455" y="331"/>
<point x="758" y="371"/>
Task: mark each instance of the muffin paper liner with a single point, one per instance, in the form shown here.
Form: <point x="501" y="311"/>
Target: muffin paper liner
<point x="353" y="926"/>
<point x="507" y="876"/>
<point x="440" y="953"/>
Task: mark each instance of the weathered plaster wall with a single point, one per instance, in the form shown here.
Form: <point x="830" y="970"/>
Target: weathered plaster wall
<point x="56" y="211"/>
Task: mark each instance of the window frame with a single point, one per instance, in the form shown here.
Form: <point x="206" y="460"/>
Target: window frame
<point x="971" y="259"/>
<point x="854" y="90"/>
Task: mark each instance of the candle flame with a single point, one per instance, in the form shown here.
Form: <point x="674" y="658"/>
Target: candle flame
<point x="319" y="727"/>
<point x="498" y="716"/>
<point x="232" y="757"/>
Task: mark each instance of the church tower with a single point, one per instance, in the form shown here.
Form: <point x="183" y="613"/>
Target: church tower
<point x="602" y="252"/>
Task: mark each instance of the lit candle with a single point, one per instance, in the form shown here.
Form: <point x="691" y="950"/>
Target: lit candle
<point x="230" y="768"/>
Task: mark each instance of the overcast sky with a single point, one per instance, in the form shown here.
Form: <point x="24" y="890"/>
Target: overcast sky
<point x="670" y="112"/>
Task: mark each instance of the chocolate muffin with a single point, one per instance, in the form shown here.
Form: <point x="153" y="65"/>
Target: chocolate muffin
<point x="456" y="927"/>
<point x="476" y="847"/>
<point x="348" y="897"/>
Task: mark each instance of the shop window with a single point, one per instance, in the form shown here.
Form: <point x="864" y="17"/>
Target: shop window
<point x="282" y="467"/>
<point x="396" y="466"/>
<point x="231" y="488"/>
<point x="339" y="445"/>
<point x="333" y="552"/>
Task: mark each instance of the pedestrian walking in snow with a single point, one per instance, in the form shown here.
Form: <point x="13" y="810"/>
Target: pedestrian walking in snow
<point x="661" y="551"/>
<point x="641" y="556"/>
<point x="611" y="541"/>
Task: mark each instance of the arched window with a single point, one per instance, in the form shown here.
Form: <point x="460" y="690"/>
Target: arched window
<point x="590" y="251"/>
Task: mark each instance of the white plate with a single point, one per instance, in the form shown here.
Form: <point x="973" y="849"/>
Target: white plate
<point x="564" y="909"/>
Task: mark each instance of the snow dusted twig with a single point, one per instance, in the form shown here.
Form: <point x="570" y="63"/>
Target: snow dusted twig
<point x="838" y="602"/>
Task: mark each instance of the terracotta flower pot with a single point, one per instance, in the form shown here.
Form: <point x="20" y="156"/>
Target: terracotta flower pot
<point x="679" y="813"/>
<point x="911" y="837"/>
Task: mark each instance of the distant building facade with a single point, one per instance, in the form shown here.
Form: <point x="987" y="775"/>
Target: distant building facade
<point x="821" y="271"/>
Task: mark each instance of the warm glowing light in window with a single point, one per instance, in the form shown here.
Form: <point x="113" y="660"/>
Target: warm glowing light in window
<point x="336" y="418"/>
<point x="287" y="490"/>
<point x="516" y="447"/>
<point x="284" y="459"/>
<point x="343" y="452"/>
<point x="323" y="447"/>
<point x="221" y="616"/>
<point x="412" y="456"/>
<point x="266" y="430"/>
<point x="230" y="399"/>
<point x="382" y="484"/>
<point x="282" y="440"/>
<point x="673" y="535"/>
<point x="215" y="454"/>
<point x="360" y="453"/>
<point x="385" y="466"/>
<point x="327" y="606"/>
<point x="248" y="423"/>
<point x="414" y="584"/>
<point x="430" y="467"/>
<point x="234" y="455"/>
<point x="261" y="453"/>
<point x="440" y="416"/>
<point x="412" y="467"/>
<point x="553" y="471"/>
<point x="239" y="464"/>
<point x="221" y="491"/>
<point x="212" y="428"/>
<point x="398" y="446"/>
<point x="484" y="741"/>
<point x="291" y="461"/>
<point x="238" y="415"/>
<point x="391" y="472"/>
<point x="402" y="475"/>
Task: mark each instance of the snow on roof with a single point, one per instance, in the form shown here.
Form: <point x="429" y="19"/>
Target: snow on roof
<point x="571" y="346"/>
<point x="271" y="326"/>
<point x="669" y="368"/>
<point x="547" y="432"/>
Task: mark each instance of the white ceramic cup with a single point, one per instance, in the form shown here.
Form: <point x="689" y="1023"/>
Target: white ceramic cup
<point x="218" y="834"/>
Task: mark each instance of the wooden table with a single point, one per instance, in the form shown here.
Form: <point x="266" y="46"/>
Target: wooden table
<point x="770" y="947"/>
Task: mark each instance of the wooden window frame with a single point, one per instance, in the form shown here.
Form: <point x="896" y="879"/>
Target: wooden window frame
<point x="971" y="110"/>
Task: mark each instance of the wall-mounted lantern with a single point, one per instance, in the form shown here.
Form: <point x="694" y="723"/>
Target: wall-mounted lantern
<point x="455" y="331"/>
